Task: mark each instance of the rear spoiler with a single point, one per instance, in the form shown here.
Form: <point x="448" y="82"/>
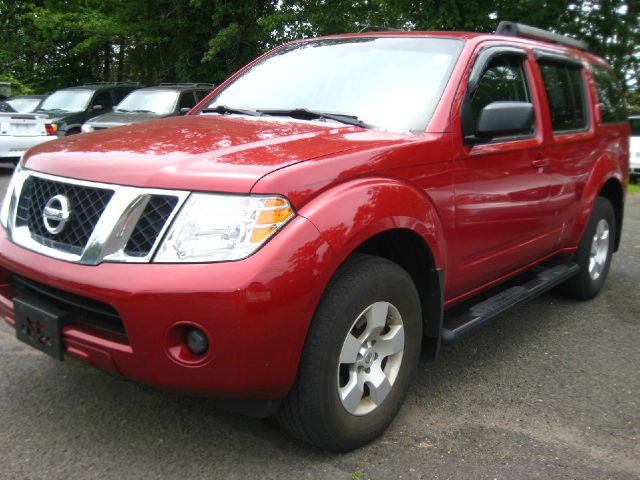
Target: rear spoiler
<point x="23" y="116"/>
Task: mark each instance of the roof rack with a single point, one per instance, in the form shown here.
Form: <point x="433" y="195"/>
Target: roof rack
<point x="378" y="28"/>
<point x="110" y="83"/>
<point x="519" y="30"/>
<point x="210" y="85"/>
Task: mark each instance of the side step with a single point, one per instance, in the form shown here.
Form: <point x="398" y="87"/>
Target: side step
<point x="483" y="312"/>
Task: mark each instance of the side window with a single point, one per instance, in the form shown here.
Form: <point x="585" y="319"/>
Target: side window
<point x="635" y="126"/>
<point x="187" y="101"/>
<point x="504" y="80"/>
<point x="200" y="94"/>
<point x="609" y="96"/>
<point x="104" y="99"/>
<point x="120" y="93"/>
<point x="564" y="85"/>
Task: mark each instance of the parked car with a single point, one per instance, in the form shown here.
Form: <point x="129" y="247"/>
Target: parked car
<point x="165" y="100"/>
<point x="21" y="130"/>
<point x="70" y="107"/>
<point x="25" y="103"/>
<point x="634" y="148"/>
<point x="333" y="211"/>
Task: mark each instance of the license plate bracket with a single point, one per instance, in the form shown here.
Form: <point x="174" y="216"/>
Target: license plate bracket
<point x="39" y="324"/>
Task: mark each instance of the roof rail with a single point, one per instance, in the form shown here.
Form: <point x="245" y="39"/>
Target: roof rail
<point x="519" y="30"/>
<point x="210" y="85"/>
<point x="110" y="83"/>
<point x="378" y="28"/>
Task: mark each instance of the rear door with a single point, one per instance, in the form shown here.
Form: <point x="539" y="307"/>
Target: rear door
<point x="570" y="143"/>
<point x="501" y="186"/>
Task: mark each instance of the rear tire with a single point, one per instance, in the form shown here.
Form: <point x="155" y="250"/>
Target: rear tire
<point x="359" y="357"/>
<point x="594" y="253"/>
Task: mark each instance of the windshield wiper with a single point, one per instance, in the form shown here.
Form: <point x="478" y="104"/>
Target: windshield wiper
<point x="223" y="109"/>
<point x="51" y="110"/>
<point x="122" y="110"/>
<point x="305" y="114"/>
<point x="143" y="111"/>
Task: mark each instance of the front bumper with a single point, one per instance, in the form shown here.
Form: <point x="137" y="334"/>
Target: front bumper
<point x="15" y="147"/>
<point x="255" y="311"/>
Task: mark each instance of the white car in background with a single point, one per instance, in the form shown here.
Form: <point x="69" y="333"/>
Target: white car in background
<point x="634" y="148"/>
<point x="21" y="131"/>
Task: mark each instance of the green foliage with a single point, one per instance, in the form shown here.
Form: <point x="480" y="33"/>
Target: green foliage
<point x="17" y="87"/>
<point x="633" y="102"/>
<point x="48" y="44"/>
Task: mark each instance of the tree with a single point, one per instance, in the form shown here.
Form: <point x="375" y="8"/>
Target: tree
<point x="49" y="44"/>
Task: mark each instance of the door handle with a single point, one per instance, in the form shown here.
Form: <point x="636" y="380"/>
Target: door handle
<point x="540" y="162"/>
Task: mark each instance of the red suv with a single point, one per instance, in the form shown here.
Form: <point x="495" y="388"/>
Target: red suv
<point x="331" y="211"/>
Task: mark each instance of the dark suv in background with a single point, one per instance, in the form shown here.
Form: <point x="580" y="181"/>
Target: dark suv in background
<point x="70" y="107"/>
<point x="165" y="100"/>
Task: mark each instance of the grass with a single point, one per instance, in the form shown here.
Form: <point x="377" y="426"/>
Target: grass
<point x="357" y="475"/>
<point x="634" y="187"/>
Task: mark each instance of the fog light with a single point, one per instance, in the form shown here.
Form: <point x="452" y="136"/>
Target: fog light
<point x="197" y="341"/>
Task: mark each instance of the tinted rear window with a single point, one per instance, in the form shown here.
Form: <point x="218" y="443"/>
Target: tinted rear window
<point x="609" y="96"/>
<point x="635" y="126"/>
<point x="564" y="85"/>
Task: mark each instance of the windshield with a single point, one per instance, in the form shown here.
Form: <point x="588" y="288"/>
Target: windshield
<point x="635" y="126"/>
<point x="156" y="101"/>
<point x="390" y="83"/>
<point x="67" y="100"/>
<point x="24" y="105"/>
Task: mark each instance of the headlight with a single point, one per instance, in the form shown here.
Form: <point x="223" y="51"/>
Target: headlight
<point x="6" y="203"/>
<point x="86" y="128"/>
<point x="215" y="227"/>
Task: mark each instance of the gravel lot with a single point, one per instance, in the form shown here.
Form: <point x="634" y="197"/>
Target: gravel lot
<point x="549" y="390"/>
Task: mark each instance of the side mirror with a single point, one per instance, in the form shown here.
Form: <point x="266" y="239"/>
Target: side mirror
<point x="96" y="108"/>
<point x="504" y="118"/>
<point x="184" y="110"/>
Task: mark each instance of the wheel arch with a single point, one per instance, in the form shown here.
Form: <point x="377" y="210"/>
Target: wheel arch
<point x="605" y="180"/>
<point x="407" y="249"/>
<point x="393" y="219"/>
<point x="612" y="191"/>
<point x="75" y="128"/>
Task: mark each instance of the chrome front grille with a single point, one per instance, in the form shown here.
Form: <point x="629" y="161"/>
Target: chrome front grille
<point x="87" y="205"/>
<point x="102" y="222"/>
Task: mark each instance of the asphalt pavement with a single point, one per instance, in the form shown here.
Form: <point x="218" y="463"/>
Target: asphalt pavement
<point x="550" y="390"/>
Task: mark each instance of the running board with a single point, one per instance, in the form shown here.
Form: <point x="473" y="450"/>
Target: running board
<point x="483" y="312"/>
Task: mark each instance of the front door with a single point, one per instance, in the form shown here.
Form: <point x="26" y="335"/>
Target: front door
<point x="502" y="188"/>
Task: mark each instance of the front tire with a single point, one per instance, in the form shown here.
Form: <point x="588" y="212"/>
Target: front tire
<point x="360" y="354"/>
<point x="594" y="253"/>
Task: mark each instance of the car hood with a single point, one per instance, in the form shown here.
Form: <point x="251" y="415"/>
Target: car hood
<point x="123" y="118"/>
<point x="61" y="117"/>
<point x="200" y="152"/>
